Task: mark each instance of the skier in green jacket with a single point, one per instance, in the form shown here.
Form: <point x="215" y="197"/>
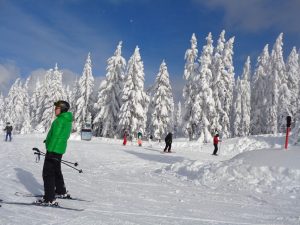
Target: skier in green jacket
<point x="56" y="144"/>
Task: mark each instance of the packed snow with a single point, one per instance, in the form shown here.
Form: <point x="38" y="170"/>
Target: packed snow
<point x="254" y="180"/>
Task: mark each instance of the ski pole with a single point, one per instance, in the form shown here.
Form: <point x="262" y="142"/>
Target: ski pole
<point x="79" y="170"/>
<point x="38" y="152"/>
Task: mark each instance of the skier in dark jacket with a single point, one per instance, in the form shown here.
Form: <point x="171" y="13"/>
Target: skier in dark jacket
<point x="56" y="144"/>
<point x="8" y="130"/>
<point x="168" y="141"/>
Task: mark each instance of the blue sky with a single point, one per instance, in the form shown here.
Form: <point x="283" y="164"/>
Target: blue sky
<point x="34" y="35"/>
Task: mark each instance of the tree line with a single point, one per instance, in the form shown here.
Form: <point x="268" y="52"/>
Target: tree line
<point x="214" y="97"/>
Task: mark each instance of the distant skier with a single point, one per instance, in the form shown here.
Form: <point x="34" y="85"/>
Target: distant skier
<point x="125" y="138"/>
<point x="56" y="144"/>
<point x="168" y="141"/>
<point x="150" y="140"/>
<point x="140" y="138"/>
<point x="216" y="142"/>
<point x="8" y="130"/>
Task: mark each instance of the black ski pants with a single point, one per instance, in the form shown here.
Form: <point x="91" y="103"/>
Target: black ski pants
<point x="8" y="135"/>
<point x="216" y="149"/>
<point x="168" y="146"/>
<point x="52" y="176"/>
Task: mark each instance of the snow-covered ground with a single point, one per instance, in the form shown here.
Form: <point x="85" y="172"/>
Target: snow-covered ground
<point x="252" y="181"/>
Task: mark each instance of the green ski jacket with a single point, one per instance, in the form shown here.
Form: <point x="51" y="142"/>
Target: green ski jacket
<point x="59" y="133"/>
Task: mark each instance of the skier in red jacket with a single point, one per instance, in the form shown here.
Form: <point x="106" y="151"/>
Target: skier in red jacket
<point x="125" y="138"/>
<point x="216" y="142"/>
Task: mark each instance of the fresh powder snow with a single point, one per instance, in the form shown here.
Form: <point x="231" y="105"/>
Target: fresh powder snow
<point x="252" y="181"/>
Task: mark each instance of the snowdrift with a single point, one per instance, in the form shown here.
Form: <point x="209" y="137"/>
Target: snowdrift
<point x="261" y="170"/>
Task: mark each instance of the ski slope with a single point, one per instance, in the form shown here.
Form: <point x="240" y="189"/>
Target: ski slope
<point x="252" y="181"/>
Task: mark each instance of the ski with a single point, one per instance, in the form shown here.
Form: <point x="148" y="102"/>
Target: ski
<point x="35" y="204"/>
<point x="167" y="152"/>
<point x="30" y="195"/>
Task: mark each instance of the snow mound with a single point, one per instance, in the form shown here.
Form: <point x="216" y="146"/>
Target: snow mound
<point x="262" y="170"/>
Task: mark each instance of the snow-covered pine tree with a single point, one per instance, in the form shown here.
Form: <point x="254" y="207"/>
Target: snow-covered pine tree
<point x="1" y="111"/>
<point x="14" y="106"/>
<point x="296" y="133"/>
<point x="205" y="112"/>
<point x="9" y="101"/>
<point x="98" y="122"/>
<point x="2" y="103"/>
<point x="35" y="104"/>
<point x="189" y="90"/>
<point x="290" y="89"/>
<point x="246" y="99"/>
<point x="297" y="115"/>
<point x="241" y="103"/>
<point x="135" y="102"/>
<point x="109" y="95"/>
<point x="51" y="91"/>
<point x="228" y="80"/>
<point x="68" y="93"/>
<point x="237" y="109"/>
<point x="177" y="120"/>
<point x="26" y="127"/>
<point x="276" y="74"/>
<point x="218" y="85"/>
<point x="258" y="93"/>
<point x="84" y="104"/>
<point x="150" y="93"/>
<point x="163" y="102"/>
<point x="75" y="95"/>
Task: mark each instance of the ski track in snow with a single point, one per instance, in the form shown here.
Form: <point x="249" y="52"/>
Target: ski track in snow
<point x="129" y="185"/>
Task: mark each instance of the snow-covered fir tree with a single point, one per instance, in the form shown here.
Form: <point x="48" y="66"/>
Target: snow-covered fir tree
<point x="237" y="110"/>
<point x="35" y="104"/>
<point x="276" y="74"/>
<point x="246" y="98"/>
<point x="290" y="89"/>
<point x="17" y="107"/>
<point x="1" y="111"/>
<point x="297" y="115"/>
<point x="258" y="93"/>
<point x="150" y="94"/>
<point x="228" y="80"/>
<point x="217" y="84"/>
<point x="84" y="105"/>
<point x="204" y="109"/>
<point x="51" y="91"/>
<point x="189" y="90"/>
<point x="135" y="102"/>
<point x="75" y="95"/>
<point x="10" y="114"/>
<point x="162" y="122"/>
<point x="68" y="93"/>
<point x="26" y="127"/>
<point x="241" y="103"/>
<point x="109" y="95"/>
<point x="177" y="120"/>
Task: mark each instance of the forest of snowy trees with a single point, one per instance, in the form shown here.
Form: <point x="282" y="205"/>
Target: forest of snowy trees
<point x="215" y="98"/>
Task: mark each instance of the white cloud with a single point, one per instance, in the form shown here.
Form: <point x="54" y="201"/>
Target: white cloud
<point x="8" y="74"/>
<point x="257" y="15"/>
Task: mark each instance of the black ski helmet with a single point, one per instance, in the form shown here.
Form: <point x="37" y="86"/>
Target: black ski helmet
<point x="64" y="106"/>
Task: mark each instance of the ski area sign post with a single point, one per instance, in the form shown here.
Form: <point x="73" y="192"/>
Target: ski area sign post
<point x="288" y="128"/>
